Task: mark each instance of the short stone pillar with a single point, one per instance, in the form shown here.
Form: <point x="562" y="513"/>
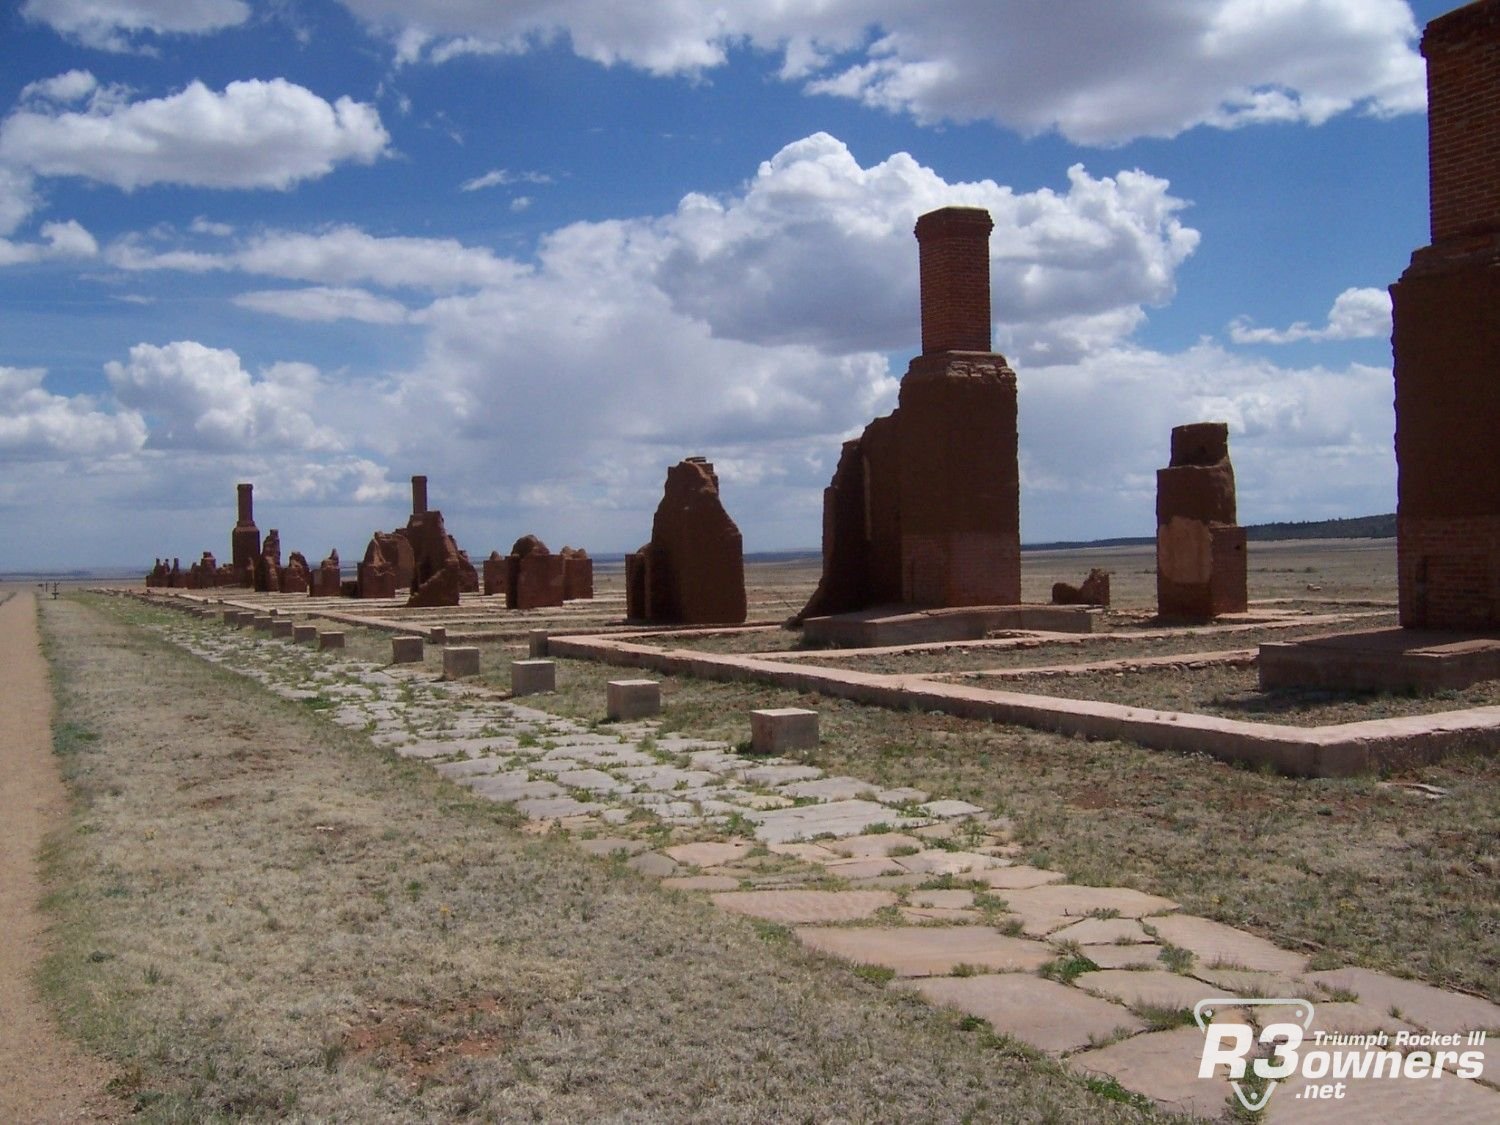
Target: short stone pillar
<point x="438" y="634"/>
<point x="262" y="621"/>
<point x="231" y="617"/>
<point x="305" y="634"/>
<point x="406" y="650"/>
<point x="632" y="699"/>
<point x="776" y="730"/>
<point x="1201" y="563"/>
<point x="330" y="640"/>
<point x="282" y="627"/>
<point x="459" y="662"/>
<point x="536" y="643"/>
<point x="531" y="677"/>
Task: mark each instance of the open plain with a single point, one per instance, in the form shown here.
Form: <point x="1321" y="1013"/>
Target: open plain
<point x="308" y="883"/>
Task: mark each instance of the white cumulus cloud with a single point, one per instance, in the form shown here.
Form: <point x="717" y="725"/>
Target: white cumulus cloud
<point x="1305" y="442"/>
<point x="36" y="424"/>
<point x="819" y="250"/>
<point x="1357" y="314"/>
<point x="60" y="240"/>
<point x="116" y="25"/>
<point x="1097" y="71"/>
<point x="197" y="397"/>
<point x="253" y="134"/>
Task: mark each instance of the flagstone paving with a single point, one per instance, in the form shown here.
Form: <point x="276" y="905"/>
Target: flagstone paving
<point x="926" y="888"/>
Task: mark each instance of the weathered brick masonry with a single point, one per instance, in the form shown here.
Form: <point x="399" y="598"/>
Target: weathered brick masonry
<point x="924" y="507"/>
<point x="1446" y="342"/>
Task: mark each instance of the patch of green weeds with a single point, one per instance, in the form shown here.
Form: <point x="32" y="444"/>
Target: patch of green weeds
<point x="1163" y="1018"/>
<point x="1068" y="968"/>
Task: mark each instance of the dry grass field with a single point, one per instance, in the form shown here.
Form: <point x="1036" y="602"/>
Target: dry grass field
<point x="263" y="916"/>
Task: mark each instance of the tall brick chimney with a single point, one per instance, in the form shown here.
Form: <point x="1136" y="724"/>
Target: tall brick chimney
<point x="1462" y="50"/>
<point x="418" y="496"/>
<point x="954" y="248"/>
<point x="244" y="539"/>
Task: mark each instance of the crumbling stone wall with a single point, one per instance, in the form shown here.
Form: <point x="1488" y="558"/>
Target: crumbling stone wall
<point x="1201" y="561"/>
<point x="1446" y="342"/>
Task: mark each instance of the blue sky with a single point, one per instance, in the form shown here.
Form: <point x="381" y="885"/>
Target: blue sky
<point x="540" y="251"/>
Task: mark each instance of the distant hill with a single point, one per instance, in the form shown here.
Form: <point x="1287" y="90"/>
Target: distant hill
<point x="1358" y="527"/>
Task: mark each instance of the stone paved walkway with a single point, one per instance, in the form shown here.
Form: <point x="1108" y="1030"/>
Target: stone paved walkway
<point x="926" y="892"/>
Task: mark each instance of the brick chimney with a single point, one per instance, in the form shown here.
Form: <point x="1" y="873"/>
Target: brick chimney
<point x="954" y="248"/>
<point x="1462" y="50"/>
<point x="247" y="505"/>
<point x="419" y="496"/>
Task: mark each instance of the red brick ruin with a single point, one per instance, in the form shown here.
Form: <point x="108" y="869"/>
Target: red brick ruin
<point x="1446" y="342"/>
<point x="420" y="557"/>
<point x="327" y="580"/>
<point x="296" y="576"/>
<point x="244" y="540"/>
<point x="440" y="570"/>
<point x="1201" y="565"/>
<point x="924" y="507"/>
<point x="1093" y="591"/>
<point x="693" y="570"/>
<point x="578" y="573"/>
<point x="533" y="575"/>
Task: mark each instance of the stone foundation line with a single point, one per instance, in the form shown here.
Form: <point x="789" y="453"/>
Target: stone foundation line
<point x="1341" y="750"/>
<point x="777" y="840"/>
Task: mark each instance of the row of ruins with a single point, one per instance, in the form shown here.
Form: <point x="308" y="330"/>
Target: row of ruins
<point x="923" y="511"/>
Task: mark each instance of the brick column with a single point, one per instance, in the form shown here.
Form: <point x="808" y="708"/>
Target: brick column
<point x="418" y="496"/>
<point x="1462" y="50"/>
<point x="954" y="260"/>
<point x="1446" y="342"/>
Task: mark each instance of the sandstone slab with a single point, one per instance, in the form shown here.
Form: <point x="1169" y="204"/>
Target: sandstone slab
<point x="1144" y="956"/>
<point x="836" y="818"/>
<point x="798" y="907"/>
<point x="1103" y="931"/>
<point x="925" y="951"/>
<point x="1152" y="988"/>
<point x="1215" y="944"/>
<point x="1163" y="1065"/>
<point x="1423" y="1005"/>
<point x="936" y="861"/>
<point x="1050" y="1016"/>
<point x="708" y="853"/>
<point x="1446" y="1099"/>
<point x="1020" y="877"/>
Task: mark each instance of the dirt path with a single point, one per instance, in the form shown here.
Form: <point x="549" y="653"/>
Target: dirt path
<point x="43" y="1077"/>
